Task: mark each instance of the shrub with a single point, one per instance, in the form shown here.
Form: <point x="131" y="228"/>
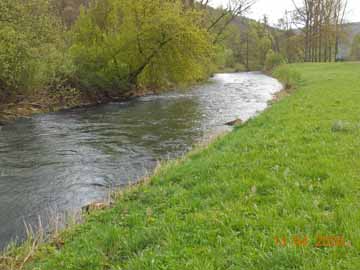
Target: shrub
<point x="14" y="60"/>
<point x="30" y="46"/>
<point x="287" y="75"/>
<point x="239" y="67"/>
<point x="273" y="60"/>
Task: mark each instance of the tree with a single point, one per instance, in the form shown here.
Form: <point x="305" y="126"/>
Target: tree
<point x="68" y="10"/>
<point x="30" y="39"/>
<point x="273" y="60"/>
<point x="355" y="48"/>
<point x="222" y="17"/>
<point x="321" y="22"/>
<point x="288" y="41"/>
<point x="249" y="43"/>
<point x="258" y="43"/>
<point x="121" y="43"/>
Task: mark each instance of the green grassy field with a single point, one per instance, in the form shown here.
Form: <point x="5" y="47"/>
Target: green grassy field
<point x="292" y="173"/>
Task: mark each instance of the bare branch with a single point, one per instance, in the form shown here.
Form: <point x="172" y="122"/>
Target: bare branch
<point x="235" y="8"/>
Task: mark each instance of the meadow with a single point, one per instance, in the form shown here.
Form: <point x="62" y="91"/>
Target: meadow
<point x="279" y="192"/>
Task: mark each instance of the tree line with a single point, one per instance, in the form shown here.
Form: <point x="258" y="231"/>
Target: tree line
<point x="108" y="46"/>
<point x="321" y="22"/>
<point x="312" y="32"/>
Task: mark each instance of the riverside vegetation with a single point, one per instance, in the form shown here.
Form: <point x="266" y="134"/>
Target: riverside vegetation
<point x="258" y="198"/>
<point x="291" y="172"/>
<point x="58" y="54"/>
<point x="65" y="53"/>
<point x="112" y="48"/>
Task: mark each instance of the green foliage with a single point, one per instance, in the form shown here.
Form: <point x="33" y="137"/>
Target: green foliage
<point x="273" y="60"/>
<point x="14" y="59"/>
<point x="114" y="45"/>
<point x="239" y="67"/>
<point x="292" y="47"/>
<point x="30" y="44"/>
<point x="226" y="61"/>
<point x="355" y="48"/>
<point x="224" y="57"/>
<point x="248" y="45"/>
<point x="289" y="76"/>
<point x="260" y="41"/>
<point x="230" y="50"/>
<point x="116" y="42"/>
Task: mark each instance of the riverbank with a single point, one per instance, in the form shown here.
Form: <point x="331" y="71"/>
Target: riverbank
<point x="279" y="192"/>
<point x="45" y="101"/>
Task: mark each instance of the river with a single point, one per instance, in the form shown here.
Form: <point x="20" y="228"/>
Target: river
<point x="59" y="162"/>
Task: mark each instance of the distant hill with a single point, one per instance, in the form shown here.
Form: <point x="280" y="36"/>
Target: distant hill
<point x="351" y="30"/>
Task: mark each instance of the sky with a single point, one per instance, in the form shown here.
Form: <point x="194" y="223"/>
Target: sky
<point x="275" y="9"/>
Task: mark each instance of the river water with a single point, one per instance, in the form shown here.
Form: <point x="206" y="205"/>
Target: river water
<point x="59" y="162"/>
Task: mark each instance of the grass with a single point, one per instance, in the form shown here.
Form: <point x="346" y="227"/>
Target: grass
<point x="293" y="171"/>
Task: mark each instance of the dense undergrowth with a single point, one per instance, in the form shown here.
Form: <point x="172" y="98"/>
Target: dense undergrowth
<point x="279" y="192"/>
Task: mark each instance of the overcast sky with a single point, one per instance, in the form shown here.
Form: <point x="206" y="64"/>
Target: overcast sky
<point x="275" y="9"/>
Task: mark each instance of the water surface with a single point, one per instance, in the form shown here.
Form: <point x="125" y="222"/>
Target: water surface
<point x="62" y="161"/>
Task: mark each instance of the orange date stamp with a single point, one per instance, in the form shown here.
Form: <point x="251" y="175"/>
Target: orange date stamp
<point x="320" y="241"/>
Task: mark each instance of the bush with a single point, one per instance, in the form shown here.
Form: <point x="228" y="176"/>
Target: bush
<point x="239" y="67"/>
<point x="287" y="75"/>
<point x="97" y="70"/>
<point x="31" y="46"/>
<point x="14" y="60"/>
<point x="273" y="60"/>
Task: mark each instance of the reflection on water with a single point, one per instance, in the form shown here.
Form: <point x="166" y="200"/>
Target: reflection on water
<point x="65" y="160"/>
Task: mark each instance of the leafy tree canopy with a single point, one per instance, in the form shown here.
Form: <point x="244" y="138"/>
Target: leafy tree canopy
<point x="147" y="42"/>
